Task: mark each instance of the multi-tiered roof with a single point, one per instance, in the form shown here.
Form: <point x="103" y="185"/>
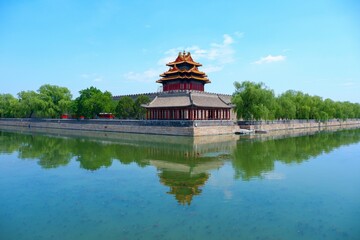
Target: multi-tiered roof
<point x="183" y="74"/>
<point x="183" y="96"/>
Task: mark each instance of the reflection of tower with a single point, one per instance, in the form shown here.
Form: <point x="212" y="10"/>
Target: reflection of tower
<point x="183" y="185"/>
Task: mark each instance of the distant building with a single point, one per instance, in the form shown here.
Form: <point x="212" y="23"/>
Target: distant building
<point x="183" y="96"/>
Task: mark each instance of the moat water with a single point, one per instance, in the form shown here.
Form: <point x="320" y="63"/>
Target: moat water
<point x="60" y="186"/>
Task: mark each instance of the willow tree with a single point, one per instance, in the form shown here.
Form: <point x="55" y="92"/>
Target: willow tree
<point x="9" y="106"/>
<point x="254" y="101"/>
<point x="30" y="104"/>
<point x="57" y="100"/>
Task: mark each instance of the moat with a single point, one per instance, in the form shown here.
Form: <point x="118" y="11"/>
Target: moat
<point x="57" y="185"/>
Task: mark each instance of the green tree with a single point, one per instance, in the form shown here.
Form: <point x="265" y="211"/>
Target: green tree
<point x="329" y="108"/>
<point x="30" y="102"/>
<point x="348" y="110"/>
<point x="57" y="100"/>
<point x="356" y="107"/>
<point x="92" y="101"/>
<point x="254" y="101"/>
<point x="140" y="111"/>
<point x="9" y="106"/>
<point x="286" y="108"/>
<point x="125" y="108"/>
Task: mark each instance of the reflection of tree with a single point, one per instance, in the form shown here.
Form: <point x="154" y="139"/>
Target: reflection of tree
<point x="51" y="152"/>
<point x="183" y="184"/>
<point x="92" y="155"/>
<point x="10" y="142"/>
<point x="253" y="158"/>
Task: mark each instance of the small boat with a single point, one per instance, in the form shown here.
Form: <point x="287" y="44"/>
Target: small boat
<point x="244" y="132"/>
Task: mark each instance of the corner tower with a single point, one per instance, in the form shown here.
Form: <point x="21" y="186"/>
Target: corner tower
<point x="183" y="96"/>
<point x="183" y="74"/>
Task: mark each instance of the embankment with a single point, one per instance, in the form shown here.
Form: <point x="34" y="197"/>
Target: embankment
<point x="281" y="125"/>
<point x="177" y="127"/>
<point x="160" y="127"/>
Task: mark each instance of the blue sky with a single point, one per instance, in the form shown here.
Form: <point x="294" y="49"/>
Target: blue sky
<point x="122" y="46"/>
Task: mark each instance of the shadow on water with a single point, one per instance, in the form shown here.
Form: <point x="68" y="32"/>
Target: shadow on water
<point x="183" y="163"/>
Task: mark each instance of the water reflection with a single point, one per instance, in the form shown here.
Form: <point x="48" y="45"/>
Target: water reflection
<point x="184" y="164"/>
<point x="252" y="159"/>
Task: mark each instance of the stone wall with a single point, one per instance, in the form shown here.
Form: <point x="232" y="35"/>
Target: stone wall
<point x="214" y="130"/>
<point x="162" y="127"/>
<point x="295" y="124"/>
<point x="175" y="127"/>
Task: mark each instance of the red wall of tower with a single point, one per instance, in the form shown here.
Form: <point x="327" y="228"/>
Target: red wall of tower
<point x="183" y="86"/>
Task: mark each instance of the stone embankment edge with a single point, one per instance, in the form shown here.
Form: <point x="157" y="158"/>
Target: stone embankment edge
<point x="270" y="126"/>
<point x="177" y="128"/>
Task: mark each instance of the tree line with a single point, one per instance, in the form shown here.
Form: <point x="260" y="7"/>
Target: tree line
<point x="51" y="101"/>
<point x="255" y="101"/>
<point x="252" y="101"/>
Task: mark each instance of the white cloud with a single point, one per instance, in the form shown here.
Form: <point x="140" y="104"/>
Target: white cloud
<point x="171" y="54"/>
<point x="149" y="75"/>
<point x="217" y="54"/>
<point x="214" y="57"/>
<point x="270" y="59"/>
<point x="239" y="34"/>
<point x="98" y="79"/>
<point x="211" y="68"/>
<point x="348" y="84"/>
<point x="93" y="77"/>
<point x="227" y="39"/>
